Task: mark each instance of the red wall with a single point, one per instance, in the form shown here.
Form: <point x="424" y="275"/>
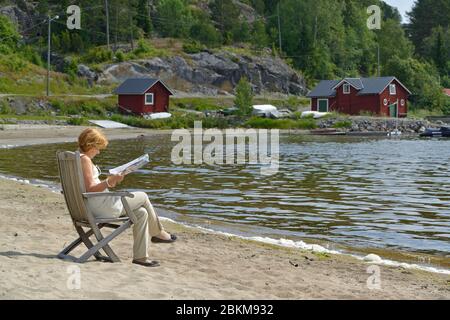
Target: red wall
<point x="160" y="99"/>
<point x="353" y="104"/>
<point x="136" y="103"/>
<point x="401" y="94"/>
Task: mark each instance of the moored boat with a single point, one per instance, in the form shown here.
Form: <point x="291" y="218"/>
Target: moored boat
<point x="436" y="132"/>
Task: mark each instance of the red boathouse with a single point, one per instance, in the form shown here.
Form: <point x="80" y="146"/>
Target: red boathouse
<point x="384" y="96"/>
<point x="143" y="95"/>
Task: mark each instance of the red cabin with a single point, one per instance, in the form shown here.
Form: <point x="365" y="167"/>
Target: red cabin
<point x="384" y="96"/>
<point x="142" y="96"/>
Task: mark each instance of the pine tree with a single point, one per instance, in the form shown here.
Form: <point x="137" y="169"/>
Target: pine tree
<point x="143" y="19"/>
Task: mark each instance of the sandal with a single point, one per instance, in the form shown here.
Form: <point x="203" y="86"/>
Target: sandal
<point x="158" y="240"/>
<point x="147" y="263"/>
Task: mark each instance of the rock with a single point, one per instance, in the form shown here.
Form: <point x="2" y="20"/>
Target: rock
<point x="85" y="72"/>
<point x="17" y="15"/>
<point x="373" y="258"/>
<point x="211" y="73"/>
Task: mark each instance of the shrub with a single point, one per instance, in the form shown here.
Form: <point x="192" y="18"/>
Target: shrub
<point x="120" y="56"/>
<point x="98" y="55"/>
<point x="5" y="108"/>
<point x="193" y="47"/>
<point x="76" y="121"/>
<point x="143" y="48"/>
<point x="343" y="124"/>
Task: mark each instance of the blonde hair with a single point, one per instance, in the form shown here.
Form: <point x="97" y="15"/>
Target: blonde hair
<point x="92" y="138"/>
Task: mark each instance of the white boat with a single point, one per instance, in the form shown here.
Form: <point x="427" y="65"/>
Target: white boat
<point x="316" y="114"/>
<point x="157" y="115"/>
<point x="263" y="110"/>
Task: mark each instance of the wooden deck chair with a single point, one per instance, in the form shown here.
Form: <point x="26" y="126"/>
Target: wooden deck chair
<point x="73" y="188"/>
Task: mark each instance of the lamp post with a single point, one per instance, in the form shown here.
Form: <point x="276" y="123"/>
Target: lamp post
<point x="50" y="19"/>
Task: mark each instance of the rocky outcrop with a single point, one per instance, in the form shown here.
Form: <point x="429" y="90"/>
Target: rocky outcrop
<point x="20" y="13"/>
<point x="365" y="124"/>
<point x="212" y="73"/>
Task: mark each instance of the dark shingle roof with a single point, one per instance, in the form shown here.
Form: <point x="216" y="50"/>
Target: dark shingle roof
<point x="374" y="85"/>
<point x="324" y="89"/>
<point x="137" y="86"/>
<point x="356" y="82"/>
<point x="365" y="85"/>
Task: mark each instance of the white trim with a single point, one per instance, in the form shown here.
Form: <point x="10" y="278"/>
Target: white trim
<point x="345" y="80"/>
<point x="392" y="92"/>
<point x="145" y="99"/>
<point x="394" y="78"/>
<point x="346" y="85"/>
<point x="318" y="104"/>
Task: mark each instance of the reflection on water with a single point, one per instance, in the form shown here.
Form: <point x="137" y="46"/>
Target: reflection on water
<point x="361" y="192"/>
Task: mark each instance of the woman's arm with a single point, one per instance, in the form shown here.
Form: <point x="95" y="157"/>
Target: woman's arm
<point x="91" y="186"/>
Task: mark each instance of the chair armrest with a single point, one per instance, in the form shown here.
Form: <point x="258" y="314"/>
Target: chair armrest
<point x="88" y="195"/>
<point x="122" y="194"/>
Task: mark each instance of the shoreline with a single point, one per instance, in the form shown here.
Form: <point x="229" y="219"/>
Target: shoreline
<point x="440" y="281"/>
<point x="405" y="259"/>
<point x="201" y="265"/>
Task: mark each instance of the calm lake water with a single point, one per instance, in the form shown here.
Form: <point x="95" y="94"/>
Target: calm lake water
<point x="353" y="191"/>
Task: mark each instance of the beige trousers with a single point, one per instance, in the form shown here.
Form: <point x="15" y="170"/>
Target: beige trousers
<point x="147" y="224"/>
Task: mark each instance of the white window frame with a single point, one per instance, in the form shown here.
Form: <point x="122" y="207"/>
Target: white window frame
<point x="344" y="86"/>
<point x="318" y="104"/>
<point x="153" y="99"/>
<point x="392" y="92"/>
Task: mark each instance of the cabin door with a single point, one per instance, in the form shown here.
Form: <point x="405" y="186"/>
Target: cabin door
<point x="322" y="105"/>
<point x="393" y="110"/>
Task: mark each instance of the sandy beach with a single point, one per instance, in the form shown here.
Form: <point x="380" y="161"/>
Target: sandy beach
<point x="35" y="226"/>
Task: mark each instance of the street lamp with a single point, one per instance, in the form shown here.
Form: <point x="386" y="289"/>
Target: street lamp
<point x="50" y="19"/>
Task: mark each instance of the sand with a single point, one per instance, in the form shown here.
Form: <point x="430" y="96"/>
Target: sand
<point x="35" y="226"/>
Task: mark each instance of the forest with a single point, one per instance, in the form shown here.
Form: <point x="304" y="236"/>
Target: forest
<point x="322" y="39"/>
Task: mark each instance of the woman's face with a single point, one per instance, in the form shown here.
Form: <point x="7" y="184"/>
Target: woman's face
<point x="92" y="152"/>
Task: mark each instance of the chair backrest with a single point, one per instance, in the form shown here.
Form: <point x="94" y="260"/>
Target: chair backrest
<point x="72" y="182"/>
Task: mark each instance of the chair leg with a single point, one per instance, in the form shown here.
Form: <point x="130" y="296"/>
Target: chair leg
<point x="63" y="254"/>
<point x="103" y="243"/>
<point x="85" y="238"/>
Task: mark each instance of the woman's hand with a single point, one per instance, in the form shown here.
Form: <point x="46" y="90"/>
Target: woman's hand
<point x="115" y="179"/>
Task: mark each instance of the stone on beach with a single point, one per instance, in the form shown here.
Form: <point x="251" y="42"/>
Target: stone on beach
<point x="373" y="258"/>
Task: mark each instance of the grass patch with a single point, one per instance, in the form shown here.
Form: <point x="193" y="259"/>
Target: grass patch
<point x="423" y="113"/>
<point x="202" y="104"/>
<point x="342" y="124"/>
<point x="266" y="123"/>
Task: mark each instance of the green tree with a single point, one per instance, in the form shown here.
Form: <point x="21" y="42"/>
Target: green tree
<point x="143" y="19"/>
<point x="226" y="15"/>
<point x="173" y="18"/>
<point x="425" y="16"/>
<point x="421" y="78"/>
<point x="438" y="49"/>
<point x="393" y="42"/>
<point x="244" y="97"/>
<point x="259" y="36"/>
<point x="203" y="30"/>
<point x="8" y="35"/>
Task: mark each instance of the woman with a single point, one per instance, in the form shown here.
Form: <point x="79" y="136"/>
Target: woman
<point x="90" y="142"/>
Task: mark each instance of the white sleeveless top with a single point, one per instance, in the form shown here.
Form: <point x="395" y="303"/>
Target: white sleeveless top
<point x="104" y="207"/>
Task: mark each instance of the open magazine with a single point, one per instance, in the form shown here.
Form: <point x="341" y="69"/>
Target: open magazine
<point x="131" y="166"/>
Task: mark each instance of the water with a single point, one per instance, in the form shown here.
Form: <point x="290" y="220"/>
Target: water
<point x="356" y="192"/>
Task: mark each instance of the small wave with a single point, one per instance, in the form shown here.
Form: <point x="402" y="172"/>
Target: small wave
<point x="320" y="249"/>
